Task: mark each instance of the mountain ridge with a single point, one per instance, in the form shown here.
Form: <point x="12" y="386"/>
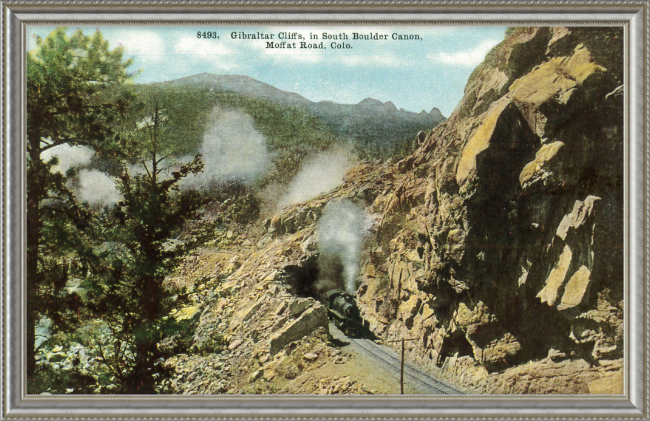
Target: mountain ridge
<point x="378" y="128"/>
<point x="250" y="86"/>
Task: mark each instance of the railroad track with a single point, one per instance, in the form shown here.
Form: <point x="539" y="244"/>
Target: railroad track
<point x="412" y="376"/>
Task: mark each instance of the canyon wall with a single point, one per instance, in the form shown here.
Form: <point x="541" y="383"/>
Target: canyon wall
<point x="501" y="245"/>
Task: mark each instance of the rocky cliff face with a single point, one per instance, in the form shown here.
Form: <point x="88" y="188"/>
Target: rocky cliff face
<point x="502" y="242"/>
<point x="498" y="243"/>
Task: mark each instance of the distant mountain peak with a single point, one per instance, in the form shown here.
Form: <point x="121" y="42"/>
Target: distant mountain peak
<point x="377" y="104"/>
<point x="436" y="114"/>
<point x="370" y="101"/>
<point x="244" y="85"/>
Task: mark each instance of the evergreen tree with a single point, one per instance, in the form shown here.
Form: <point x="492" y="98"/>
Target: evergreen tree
<point x="66" y="78"/>
<point x="131" y="296"/>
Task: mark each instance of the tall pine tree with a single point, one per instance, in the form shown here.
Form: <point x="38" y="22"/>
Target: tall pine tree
<point x="133" y="299"/>
<point x="66" y="79"/>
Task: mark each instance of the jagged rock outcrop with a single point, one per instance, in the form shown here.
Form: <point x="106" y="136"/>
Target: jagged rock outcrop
<point x="498" y="243"/>
<point x="304" y="325"/>
<point x="503" y="237"/>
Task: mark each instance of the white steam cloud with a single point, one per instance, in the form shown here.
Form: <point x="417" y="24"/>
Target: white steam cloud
<point x="69" y="156"/>
<point x="92" y="186"/>
<point x="232" y="149"/>
<point x="341" y="231"/>
<point x="319" y="175"/>
<point x="97" y="188"/>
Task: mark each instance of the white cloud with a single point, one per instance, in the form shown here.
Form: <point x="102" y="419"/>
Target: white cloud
<point x="466" y="58"/>
<point x="211" y="50"/>
<point x="191" y="45"/>
<point x="293" y="55"/>
<point x="144" y="44"/>
<point x="386" y="60"/>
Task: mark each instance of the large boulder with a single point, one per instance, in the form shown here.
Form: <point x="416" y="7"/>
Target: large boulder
<point x="308" y="322"/>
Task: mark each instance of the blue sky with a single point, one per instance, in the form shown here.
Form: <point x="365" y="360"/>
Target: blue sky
<point x="415" y="75"/>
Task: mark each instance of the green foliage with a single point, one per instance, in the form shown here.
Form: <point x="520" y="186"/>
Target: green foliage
<point x="51" y="380"/>
<point x="511" y="30"/>
<point x="180" y="334"/>
<point x="291" y="133"/>
<point x="128" y="290"/>
<point x="118" y="258"/>
<point x="180" y="116"/>
<point x="66" y="78"/>
<point x="214" y="344"/>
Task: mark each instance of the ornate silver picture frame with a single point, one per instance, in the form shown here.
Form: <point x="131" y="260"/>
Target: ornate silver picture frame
<point x="631" y="399"/>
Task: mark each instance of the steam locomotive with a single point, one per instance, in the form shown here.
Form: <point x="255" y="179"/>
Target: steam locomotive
<point x="343" y="311"/>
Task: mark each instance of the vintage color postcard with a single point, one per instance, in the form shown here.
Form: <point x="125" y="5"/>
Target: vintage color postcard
<point x="325" y="209"/>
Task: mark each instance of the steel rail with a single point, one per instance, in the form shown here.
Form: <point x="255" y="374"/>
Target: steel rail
<point x="425" y="380"/>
